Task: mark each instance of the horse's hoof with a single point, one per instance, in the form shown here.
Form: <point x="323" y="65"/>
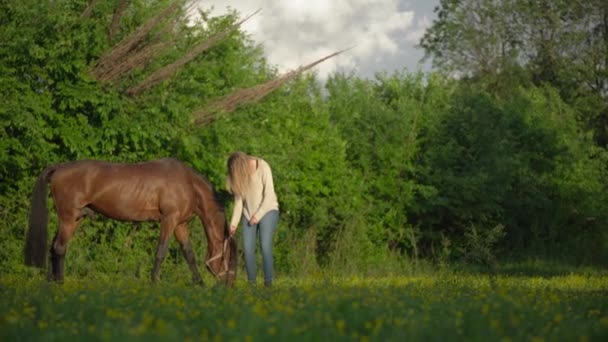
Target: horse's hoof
<point x="54" y="279"/>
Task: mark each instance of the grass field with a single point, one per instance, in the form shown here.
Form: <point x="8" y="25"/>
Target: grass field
<point x="429" y="307"/>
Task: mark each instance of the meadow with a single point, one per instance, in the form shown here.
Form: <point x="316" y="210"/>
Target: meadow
<point x="375" y="176"/>
<point x="440" y="306"/>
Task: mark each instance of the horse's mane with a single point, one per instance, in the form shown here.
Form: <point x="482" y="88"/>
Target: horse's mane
<point x="221" y="197"/>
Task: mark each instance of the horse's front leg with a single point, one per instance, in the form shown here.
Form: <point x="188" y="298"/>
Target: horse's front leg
<point x="167" y="225"/>
<point x="181" y="234"/>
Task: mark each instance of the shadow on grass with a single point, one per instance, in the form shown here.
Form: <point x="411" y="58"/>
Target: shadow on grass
<point x="533" y="268"/>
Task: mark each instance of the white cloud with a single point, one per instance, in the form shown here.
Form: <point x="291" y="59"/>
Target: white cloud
<point x="297" y="32"/>
<point x="414" y="35"/>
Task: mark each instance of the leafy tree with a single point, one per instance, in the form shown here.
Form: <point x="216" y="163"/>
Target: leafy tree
<point x="563" y="43"/>
<point x="382" y="122"/>
<point x="515" y="162"/>
<point x="474" y="37"/>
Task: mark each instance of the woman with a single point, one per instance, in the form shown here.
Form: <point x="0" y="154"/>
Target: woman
<point x="256" y="206"/>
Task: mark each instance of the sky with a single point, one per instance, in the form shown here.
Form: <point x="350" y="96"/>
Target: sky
<point x="383" y="33"/>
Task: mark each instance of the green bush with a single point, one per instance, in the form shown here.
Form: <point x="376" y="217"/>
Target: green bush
<point x="516" y="161"/>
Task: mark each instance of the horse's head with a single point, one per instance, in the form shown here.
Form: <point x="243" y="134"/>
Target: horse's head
<point x="222" y="264"/>
<point x="231" y="257"/>
<point x="221" y="247"/>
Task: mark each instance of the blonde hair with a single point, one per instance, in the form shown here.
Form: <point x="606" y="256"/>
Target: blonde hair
<point x="238" y="178"/>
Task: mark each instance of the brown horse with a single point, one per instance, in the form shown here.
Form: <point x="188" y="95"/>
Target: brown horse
<point x="164" y="190"/>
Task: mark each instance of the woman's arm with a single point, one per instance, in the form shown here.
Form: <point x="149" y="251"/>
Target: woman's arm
<point x="269" y="197"/>
<point x="236" y="213"/>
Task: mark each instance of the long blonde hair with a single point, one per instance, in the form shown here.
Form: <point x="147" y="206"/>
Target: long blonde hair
<point x="238" y="178"/>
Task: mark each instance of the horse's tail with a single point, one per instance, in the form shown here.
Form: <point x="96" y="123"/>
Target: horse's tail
<point x="37" y="234"/>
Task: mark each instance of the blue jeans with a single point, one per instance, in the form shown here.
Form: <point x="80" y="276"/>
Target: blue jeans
<point x="266" y="226"/>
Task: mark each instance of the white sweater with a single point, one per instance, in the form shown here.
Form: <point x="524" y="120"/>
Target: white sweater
<point x="260" y="197"/>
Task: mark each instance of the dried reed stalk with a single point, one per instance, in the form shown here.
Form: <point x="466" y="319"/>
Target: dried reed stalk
<point x="139" y="58"/>
<point x="240" y="97"/>
<point x="116" y="17"/>
<point x="169" y="70"/>
<point x="128" y="44"/>
<point x="87" y="11"/>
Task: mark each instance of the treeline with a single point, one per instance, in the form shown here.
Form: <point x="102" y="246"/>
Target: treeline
<point x="371" y="174"/>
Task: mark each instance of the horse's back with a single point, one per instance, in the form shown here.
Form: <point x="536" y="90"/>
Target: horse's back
<point x="84" y="170"/>
<point x="127" y="191"/>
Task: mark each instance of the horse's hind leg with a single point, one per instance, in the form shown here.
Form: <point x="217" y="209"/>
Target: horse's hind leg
<point x="67" y="226"/>
<point x="181" y="234"/>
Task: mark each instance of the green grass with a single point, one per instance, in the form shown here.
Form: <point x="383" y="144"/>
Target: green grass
<point x="428" y="307"/>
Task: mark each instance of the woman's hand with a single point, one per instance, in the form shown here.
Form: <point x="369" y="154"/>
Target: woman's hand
<point x="232" y="230"/>
<point x="253" y="220"/>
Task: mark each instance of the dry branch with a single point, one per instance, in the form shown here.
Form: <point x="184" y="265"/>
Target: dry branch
<point x="240" y="97"/>
<point x="87" y="11"/>
<point x="140" y="57"/>
<point x="169" y="70"/>
<point x="132" y="41"/>
<point x="133" y="60"/>
<point x="116" y="17"/>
